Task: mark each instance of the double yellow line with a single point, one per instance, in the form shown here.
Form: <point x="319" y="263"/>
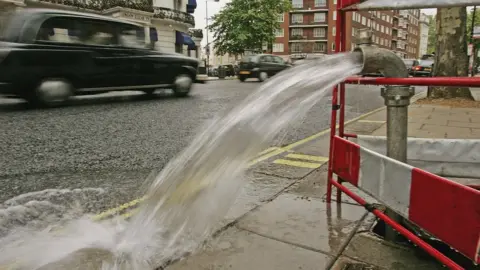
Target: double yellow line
<point x="262" y="156"/>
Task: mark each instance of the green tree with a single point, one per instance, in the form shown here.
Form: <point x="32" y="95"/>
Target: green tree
<point x="432" y="34"/>
<point x="451" y="51"/>
<point x="246" y="24"/>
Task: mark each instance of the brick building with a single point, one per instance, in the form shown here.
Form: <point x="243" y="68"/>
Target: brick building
<point x="310" y="29"/>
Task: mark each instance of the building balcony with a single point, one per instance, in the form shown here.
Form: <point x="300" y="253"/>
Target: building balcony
<point x="98" y="5"/>
<point x="196" y="33"/>
<point x="145" y="6"/>
<point x="311" y="23"/>
<point x="309" y="8"/>
<point x="306" y="38"/>
<point x="174" y="15"/>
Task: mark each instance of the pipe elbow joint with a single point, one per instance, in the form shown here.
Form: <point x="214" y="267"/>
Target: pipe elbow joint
<point x="379" y="60"/>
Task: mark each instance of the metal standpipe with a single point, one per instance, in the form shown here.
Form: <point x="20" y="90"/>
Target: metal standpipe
<point x="397" y="100"/>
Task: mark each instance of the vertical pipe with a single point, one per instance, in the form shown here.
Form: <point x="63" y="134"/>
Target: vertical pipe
<point x="397" y="126"/>
<point x="397" y="100"/>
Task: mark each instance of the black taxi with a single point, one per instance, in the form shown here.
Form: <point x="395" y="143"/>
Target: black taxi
<point x="47" y="56"/>
<point x="260" y="66"/>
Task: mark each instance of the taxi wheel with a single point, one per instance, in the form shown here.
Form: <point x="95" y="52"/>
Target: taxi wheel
<point x="182" y="85"/>
<point x="51" y="92"/>
<point x="262" y="76"/>
<point x="242" y="78"/>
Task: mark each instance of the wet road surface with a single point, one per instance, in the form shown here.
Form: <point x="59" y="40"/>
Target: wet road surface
<point x="114" y="141"/>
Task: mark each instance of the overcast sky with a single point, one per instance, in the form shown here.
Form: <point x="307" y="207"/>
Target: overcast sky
<point x="215" y="7"/>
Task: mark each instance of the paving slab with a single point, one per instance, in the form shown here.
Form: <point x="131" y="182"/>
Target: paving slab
<point x="305" y="221"/>
<point x="259" y="189"/>
<point x="368" y="248"/>
<point x="236" y="249"/>
<point x="463" y="124"/>
<point x="364" y="127"/>
<point x="346" y="263"/>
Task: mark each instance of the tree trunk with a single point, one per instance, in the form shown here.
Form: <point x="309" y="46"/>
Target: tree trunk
<point x="451" y="58"/>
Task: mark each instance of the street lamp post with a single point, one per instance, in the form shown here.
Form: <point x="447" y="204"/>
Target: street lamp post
<point x="207" y="48"/>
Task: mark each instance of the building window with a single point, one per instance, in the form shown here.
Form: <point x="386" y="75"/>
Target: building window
<point x="354" y="32"/>
<point x="334" y="15"/>
<point x="364" y="20"/>
<point x="297" y="18"/>
<point x="382" y="29"/>
<point x="333" y="47"/>
<point x="297" y="32"/>
<point x="320" y="3"/>
<point x="278" y="47"/>
<point x="319" y="32"/>
<point x="297" y="47"/>
<point x="334" y="2"/>
<point x="319" y="17"/>
<point x="319" y="47"/>
<point x="281" y="17"/>
<point x="297" y="3"/>
<point x="334" y="31"/>
<point x="279" y="33"/>
<point x="177" y="4"/>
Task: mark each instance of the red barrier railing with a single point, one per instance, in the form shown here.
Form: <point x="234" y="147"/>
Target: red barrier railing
<point x="338" y="105"/>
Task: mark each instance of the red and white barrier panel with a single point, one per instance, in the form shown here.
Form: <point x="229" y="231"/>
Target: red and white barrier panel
<point x="447" y="210"/>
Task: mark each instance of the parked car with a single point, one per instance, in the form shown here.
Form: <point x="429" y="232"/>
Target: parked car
<point x="409" y="64"/>
<point x="47" y="56"/>
<point x="229" y="70"/>
<point x="260" y="66"/>
<point x="423" y="68"/>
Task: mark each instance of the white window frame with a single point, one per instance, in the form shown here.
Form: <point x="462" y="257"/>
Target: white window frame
<point x="299" y="30"/>
<point x="278" y="47"/>
<point x="322" y="31"/>
<point x="280" y="34"/>
<point x="297" y="3"/>
<point x="281" y="17"/>
<point x="299" y="16"/>
<point x="320" y="3"/>
<point x="322" y="14"/>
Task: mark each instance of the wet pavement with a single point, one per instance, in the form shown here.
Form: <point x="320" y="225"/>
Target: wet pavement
<point x="113" y="141"/>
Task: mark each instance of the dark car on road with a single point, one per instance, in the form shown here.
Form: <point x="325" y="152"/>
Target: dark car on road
<point x="260" y="66"/>
<point x="423" y="68"/>
<point x="409" y="64"/>
<point x="47" y="56"/>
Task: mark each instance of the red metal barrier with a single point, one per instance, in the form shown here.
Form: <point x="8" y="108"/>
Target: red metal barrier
<point x="445" y="209"/>
<point x="435" y="81"/>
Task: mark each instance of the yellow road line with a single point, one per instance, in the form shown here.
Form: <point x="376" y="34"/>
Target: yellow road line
<point x="116" y="210"/>
<point x="301" y="164"/>
<point x="268" y="150"/>
<point x="307" y="157"/>
<point x="268" y="155"/>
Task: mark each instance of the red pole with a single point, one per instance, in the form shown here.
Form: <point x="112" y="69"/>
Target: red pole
<point x="436" y="81"/>
<point x="333" y="123"/>
<point x="412" y="237"/>
<point x="341" y="31"/>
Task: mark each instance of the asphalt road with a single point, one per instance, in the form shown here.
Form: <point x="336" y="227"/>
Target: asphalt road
<point x="100" y="149"/>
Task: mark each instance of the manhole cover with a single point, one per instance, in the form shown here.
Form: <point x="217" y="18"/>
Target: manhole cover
<point x="359" y="266"/>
